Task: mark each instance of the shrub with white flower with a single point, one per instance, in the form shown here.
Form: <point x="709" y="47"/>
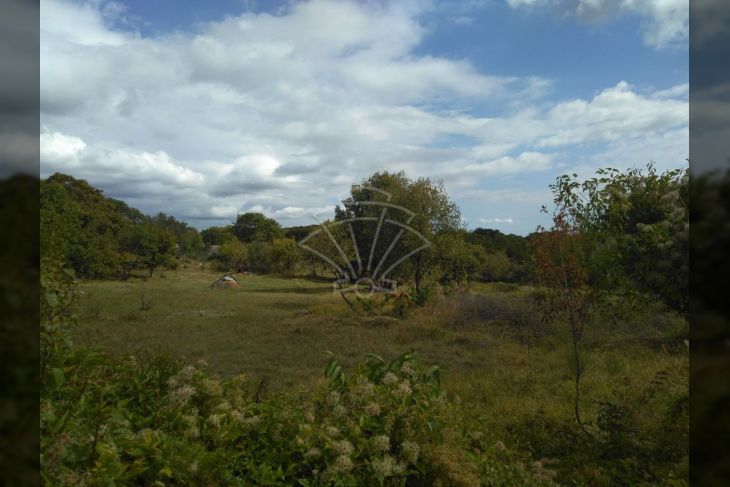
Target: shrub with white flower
<point x="410" y="450"/>
<point x="372" y="409"/>
<point x="381" y="443"/>
<point x="390" y="379"/>
<point x="180" y="396"/>
<point x="309" y="416"/>
<point x="342" y="447"/>
<point x="212" y="387"/>
<point x="377" y="427"/>
<point x="313" y="453"/>
<point x="384" y="466"/>
<point x="186" y="373"/>
<point x="333" y="398"/>
<point x="361" y="417"/>
<point x="408" y="370"/>
<point x="364" y="389"/>
<point x="215" y="420"/>
<point x="342" y="464"/>
<point x="403" y="389"/>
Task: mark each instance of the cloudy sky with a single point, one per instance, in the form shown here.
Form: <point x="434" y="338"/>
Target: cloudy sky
<point x="207" y="109"/>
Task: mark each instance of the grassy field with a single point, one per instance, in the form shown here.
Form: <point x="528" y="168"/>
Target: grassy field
<point x="504" y="365"/>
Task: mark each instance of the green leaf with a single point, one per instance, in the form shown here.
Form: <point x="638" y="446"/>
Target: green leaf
<point x="58" y="376"/>
<point x="52" y="299"/>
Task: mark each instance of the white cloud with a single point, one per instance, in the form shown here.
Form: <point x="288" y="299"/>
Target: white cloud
<point x="61" y="152"/>
<point x="80" y="24"/>
<point x="681" y="90"/>
<point x="283" y="112"/>
<point x="224" y="211"/>
<point x="510" y="195"/>
<point x="58" y="148"/>
<point x="615" y="113"/>
<point x="508" y="221"/>
<point x="665" y="22"/>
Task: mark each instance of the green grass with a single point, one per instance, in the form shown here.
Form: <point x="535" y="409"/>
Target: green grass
<point x="282" y="328"/>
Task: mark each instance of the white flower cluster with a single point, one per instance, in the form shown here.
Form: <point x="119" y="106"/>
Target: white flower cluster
<point x="186" y="374"/>
<point x="223" y="406"/>
<point x="182" y="395"/>
<point x="215" y="419"/>
<point x="342" y="447"/>
<point x="386" y="466"/>
<point x="381" y="443"/>
<point x="363" y="389"/>
<point x="181" y="390"/>
<point x="312" y="453"/>
<point x="333" y="398"/>
<point x="407" y="369"/>
<point x="404" y="389"/>
<point x="309" y="416"/>
<point x="372" y="409"/>
<point x="410" y="450"/>
<point x="342" y="464"/>
<point x="390" y="379"/>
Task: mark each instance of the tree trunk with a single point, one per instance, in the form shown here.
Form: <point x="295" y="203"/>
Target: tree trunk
<point x="577" y="379"/>
<point x="574" y="334"/>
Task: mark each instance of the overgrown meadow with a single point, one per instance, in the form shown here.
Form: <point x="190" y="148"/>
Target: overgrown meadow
<point x="556" y="378"/>
<point x="503" y="401"/>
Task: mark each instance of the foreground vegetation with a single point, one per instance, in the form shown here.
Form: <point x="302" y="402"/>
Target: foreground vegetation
<point x="505" y="390"/>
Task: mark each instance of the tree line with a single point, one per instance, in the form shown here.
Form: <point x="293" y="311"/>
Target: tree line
<point x="633" y="229"/>
<point x="456" y="255"/>
<point x="102" y="237"/>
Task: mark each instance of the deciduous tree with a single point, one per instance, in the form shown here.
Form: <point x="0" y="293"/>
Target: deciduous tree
<point x="637" y="222"/>
<point x="250" y="227"/>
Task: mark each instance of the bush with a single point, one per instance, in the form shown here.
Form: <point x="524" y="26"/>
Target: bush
<point x="620" y="447"/>
<point x="152" y="420"/>
<point x="259" y="257"/>
<point x="232" y="256"/>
